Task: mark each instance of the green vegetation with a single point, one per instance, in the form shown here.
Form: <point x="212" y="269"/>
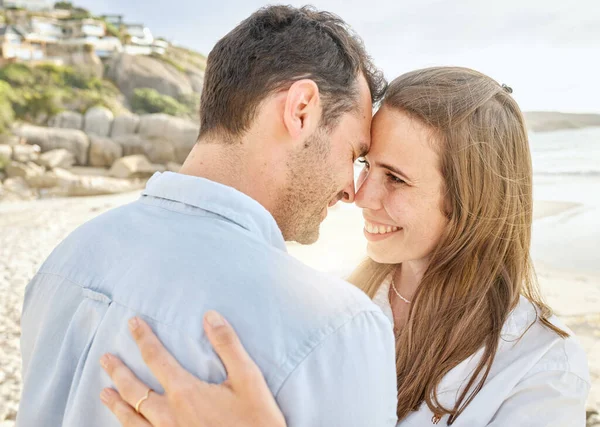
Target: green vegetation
<point x="168" y="60"/>
<point x="37" y="93"/>
<point x="7" y="114"/>
<point x="63" y="5"/>
<point x="146" y="100"/>
<point x="187" y="59"/>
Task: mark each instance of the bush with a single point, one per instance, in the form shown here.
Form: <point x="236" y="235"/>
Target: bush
<point x="31" y="103"/>
<point x="17" y="75"/>
<point x="146" y="100"/>
<point x="65" y="5"/>
<point x="7" y="114"/>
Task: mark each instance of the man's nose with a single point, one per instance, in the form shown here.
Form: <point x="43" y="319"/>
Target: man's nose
<point x="348" y="193"/>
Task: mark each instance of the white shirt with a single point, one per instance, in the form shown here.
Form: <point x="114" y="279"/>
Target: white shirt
<point x="537" y="380"/>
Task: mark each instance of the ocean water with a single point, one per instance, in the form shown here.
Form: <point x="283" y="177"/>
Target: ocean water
<point x="568" y="152"/>
<point x="566" y="167"/>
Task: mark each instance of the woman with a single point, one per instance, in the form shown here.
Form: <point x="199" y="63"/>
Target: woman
<point x="446" y="193"/>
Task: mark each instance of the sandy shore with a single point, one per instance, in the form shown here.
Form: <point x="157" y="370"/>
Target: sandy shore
<point x="30" y="230"/>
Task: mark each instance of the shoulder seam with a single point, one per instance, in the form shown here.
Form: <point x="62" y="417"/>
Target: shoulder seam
<point x="323" y="340"/>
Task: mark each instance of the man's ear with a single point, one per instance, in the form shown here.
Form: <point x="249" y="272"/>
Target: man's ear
<point x="302" y="111"/>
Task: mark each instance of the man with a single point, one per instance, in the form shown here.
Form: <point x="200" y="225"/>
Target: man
<point x="285" y="111"/>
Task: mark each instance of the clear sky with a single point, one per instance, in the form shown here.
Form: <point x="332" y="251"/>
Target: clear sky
<point x="547" y="50"/>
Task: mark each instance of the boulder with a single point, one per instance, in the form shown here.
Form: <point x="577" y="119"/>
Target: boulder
<point x="173" y="167"/>
<point x="130" y="72"/>
<point x="47" y="179"/>
<point x="17" y="188"/>
<point x="26" y="153"/>
<point x="125" y="124"/>
<point x="68" y="184"/>
<point x="104" y="151"/>
<point x="85" y="62"/>
<point x="136" y="166"/>
<point x="159" y="151"/>
<point x="181" y="134"/>
<point x="57" y="158"/>
<point x="67" y="120"/>
<point x="23" y="170"/>
<point x="8" y="139"/>
<point x="98" y="121"/>
<point x="197" y="81"/>
<point x="48" y="139"/>
<point x="5" y="155"/>
<point x="131" y="144"/>
<point x="89" y="171"/>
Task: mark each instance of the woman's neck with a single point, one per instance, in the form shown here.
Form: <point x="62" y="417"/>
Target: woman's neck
<point x="407" y="277"/>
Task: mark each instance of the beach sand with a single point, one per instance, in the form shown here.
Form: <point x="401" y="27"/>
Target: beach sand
<point x="30" y="230"/>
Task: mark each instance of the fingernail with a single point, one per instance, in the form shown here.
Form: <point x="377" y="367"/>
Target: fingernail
<point x="134" y="323"/>
<point x="104" y="361"/>
<point x="214" y="319"/>
<point x="105" y="395"/>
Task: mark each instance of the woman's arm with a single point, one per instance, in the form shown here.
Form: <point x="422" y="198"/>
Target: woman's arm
<point x="547" y="398"/>
<point x="243" y="400"/>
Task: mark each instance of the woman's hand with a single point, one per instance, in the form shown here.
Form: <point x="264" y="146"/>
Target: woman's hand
<point x="242" y="400"/>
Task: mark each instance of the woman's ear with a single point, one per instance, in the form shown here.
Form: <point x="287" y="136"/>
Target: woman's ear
<point x="302" y="111"/>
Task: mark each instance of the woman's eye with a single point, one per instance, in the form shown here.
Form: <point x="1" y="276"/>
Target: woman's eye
<point x="393" y="178"/>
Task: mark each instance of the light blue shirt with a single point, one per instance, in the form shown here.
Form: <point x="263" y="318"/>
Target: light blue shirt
<point x="186" y="246"/>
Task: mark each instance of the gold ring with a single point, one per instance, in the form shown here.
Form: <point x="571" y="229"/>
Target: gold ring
<point x="137" y="405"/>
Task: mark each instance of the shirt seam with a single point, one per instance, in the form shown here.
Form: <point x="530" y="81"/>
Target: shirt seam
<point x="113" y="301"/>
<point x="322" y="342"/>
<point x="543" y="371"/>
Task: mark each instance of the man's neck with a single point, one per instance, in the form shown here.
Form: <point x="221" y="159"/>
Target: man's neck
<point x="235" y="167"/>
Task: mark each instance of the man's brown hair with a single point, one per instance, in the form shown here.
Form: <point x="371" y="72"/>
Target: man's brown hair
<point x="271" y="49"/>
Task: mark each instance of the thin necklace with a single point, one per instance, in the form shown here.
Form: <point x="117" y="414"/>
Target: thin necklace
<point x="398" y="293"/>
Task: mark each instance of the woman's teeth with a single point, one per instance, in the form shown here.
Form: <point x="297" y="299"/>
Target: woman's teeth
<point x="379" y="229"/>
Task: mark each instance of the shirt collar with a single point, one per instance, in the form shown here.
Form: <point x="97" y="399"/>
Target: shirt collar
<point x="219" y="199"/>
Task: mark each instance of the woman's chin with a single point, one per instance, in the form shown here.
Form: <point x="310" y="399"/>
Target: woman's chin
<point x="382" y="254"/>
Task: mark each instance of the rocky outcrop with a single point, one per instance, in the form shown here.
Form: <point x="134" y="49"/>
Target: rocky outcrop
<point x="104" y="151"/>
<point x="98" y="121"/>
<point x="179" y="133"/>
<point x="26" y="152"/>
<point x="137" y="166"/>
<point x="125" y="124"/>
<point x="67" y="120"/>
<point x="23" y="170"/>
<point x="197" y="81"/>
<point x="131" y="72"/>
<point x="173" y="167"/>
<point x="161" y="138"/>
<point x="71" y="185"/>
<point x="16" y="188"/>
<point x="48" y="139"/>
<point x="58" y="158"/>
<point x="131" y="144"/>
<point x="5" y="154"/>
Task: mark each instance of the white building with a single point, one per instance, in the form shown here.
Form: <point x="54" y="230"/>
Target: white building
<point x="14" y="45"/>
<point x="139" y="34"/>
<point x="36" y="5"/>
<point x="44" y="30"/>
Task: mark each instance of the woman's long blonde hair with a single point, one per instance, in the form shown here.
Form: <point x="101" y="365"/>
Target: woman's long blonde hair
<point x="481" y="264"/>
